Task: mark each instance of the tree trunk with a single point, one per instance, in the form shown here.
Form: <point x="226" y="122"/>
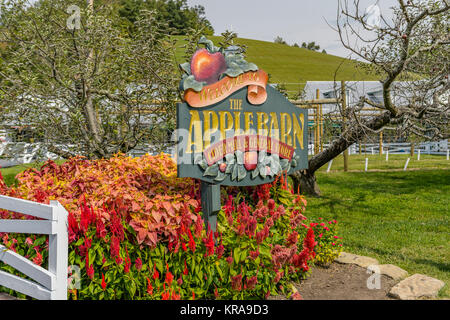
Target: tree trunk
<point x="411" y="153"/>
<point x="306" y="179"/>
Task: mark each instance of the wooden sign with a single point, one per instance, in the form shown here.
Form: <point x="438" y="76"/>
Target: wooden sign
<point x="233" y="128"/>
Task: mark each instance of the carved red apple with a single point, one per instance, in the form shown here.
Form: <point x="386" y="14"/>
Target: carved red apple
<point x="206" y="66"/>
<point x="222" y="167"/>
<point x="250" y="160"/>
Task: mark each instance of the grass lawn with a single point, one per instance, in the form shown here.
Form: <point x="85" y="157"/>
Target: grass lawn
<point x="402" y="218"/>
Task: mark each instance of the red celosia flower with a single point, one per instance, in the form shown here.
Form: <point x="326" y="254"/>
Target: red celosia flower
<point x="236" y="282"/>
<point x="251" y="226"/>
<point x="220" y="250"/>
<point x="209" y="244"/>
<point x="155" y="273"/>
<point x="296" y="296"/>
<point x="271" y="204"/>
<point x="262" y="235"/>
<point x="180" y="281"/>
<point x="183" y="245"/>
<point x="138" y="264"/>
<point x="230" y="260"/>
<point x="28" y="241"/>
<point x="251" y="282"/>
<point x="169" y="278"/>
<point x="116" y="226"/>
<point x="193" y="295"/>
<point x="73" y="227"/>
<point x="254" y="254"/>
<point x="281" y="255"/>
<point x="165" y="295"/>
<point x="309" y="241"/>
<point x="175" y="296"/>
<point x="38" y="259"/>
<point x="278" y="276"/>
<point x="89" y="268"/>
<point x="185" y="271"/>
<point x="198" y="226"/>
<point x="292" y="239"/>
<point x="216" y="293"/>
<point x="115" y="246"/>
<point x="191" y="241"/>
<point x="127" y="266"/>
<point x="149" y="287"/>
<point x="301" y="260"/>
<point x="103" y="282"/>
<point x="87" y="242"/>
<point x="101" y="231"/>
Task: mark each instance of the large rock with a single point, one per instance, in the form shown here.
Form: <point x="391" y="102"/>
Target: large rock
<point x="392" y="271"/>
<point x="361" y="261"/>
<point x="417" y="286"/>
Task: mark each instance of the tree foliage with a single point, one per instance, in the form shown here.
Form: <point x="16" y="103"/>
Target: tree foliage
<point x="92" y="90"/>
<point x="178" y="15"/>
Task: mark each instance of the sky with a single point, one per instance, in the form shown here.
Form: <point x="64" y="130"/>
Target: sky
<point x="293" y="20"/>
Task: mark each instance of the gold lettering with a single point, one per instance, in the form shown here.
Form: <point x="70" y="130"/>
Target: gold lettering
<point x="286" y="128"/>
<point x="298" y="129"/>
<point x="263" y="119"/>
<point x="211" y="123"/>
<point x="195" y="125"/>
<point x="273" y="127"/>
<point x="226" y="123"/>
<point x="237" y="124"/>
<point x="248" y="120"/>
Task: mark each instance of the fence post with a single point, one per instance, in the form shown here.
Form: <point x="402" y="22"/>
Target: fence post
<point x="447" y="154"/>
<point x="367" y="162"/>
<point x="329" y="165"/>
<point x="418" y="154"/>
<point x="406" y="164"/>
<point x="58" y="252"/>
<point x="387" y="155"/>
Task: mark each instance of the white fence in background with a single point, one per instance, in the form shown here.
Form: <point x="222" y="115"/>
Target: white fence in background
<point x="50" y="284"/>
<point x="436" y="148"/>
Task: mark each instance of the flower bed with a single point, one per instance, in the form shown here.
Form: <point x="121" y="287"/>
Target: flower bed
<point x="136" y="232"/>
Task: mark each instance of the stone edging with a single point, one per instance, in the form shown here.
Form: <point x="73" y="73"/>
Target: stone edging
<point x="417" y="286"/>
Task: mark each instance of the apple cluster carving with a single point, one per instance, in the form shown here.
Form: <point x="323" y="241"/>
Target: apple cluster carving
<point x="239" y="164"/>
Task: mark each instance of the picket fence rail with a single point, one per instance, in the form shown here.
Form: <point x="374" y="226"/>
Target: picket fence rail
<point x="48" y="284"/>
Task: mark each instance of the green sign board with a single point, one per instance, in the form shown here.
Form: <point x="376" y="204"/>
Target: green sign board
<point x="232" y="128"/>
<point x="235" y="143"/>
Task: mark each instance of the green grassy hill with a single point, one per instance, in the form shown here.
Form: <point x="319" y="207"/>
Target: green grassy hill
<point x="287" y="64"/>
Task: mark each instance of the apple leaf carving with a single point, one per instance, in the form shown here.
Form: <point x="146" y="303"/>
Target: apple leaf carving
<point x="186" y="67"/>
<point x="190" y="83"/>
<point x="242" y="173"/>
<point x="220" y="176"/>
<point x="212" y="170"/>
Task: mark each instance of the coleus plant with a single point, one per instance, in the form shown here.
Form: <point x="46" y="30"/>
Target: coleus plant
<point x="210" y="64"/>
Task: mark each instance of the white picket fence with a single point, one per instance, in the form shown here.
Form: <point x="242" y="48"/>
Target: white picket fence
<point x="50" y="284"/>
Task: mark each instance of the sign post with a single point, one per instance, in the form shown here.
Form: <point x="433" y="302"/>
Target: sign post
<point x="232" y="128"/>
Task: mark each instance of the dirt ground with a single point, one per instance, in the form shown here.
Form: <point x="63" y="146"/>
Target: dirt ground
<point x="341" y="282"/>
